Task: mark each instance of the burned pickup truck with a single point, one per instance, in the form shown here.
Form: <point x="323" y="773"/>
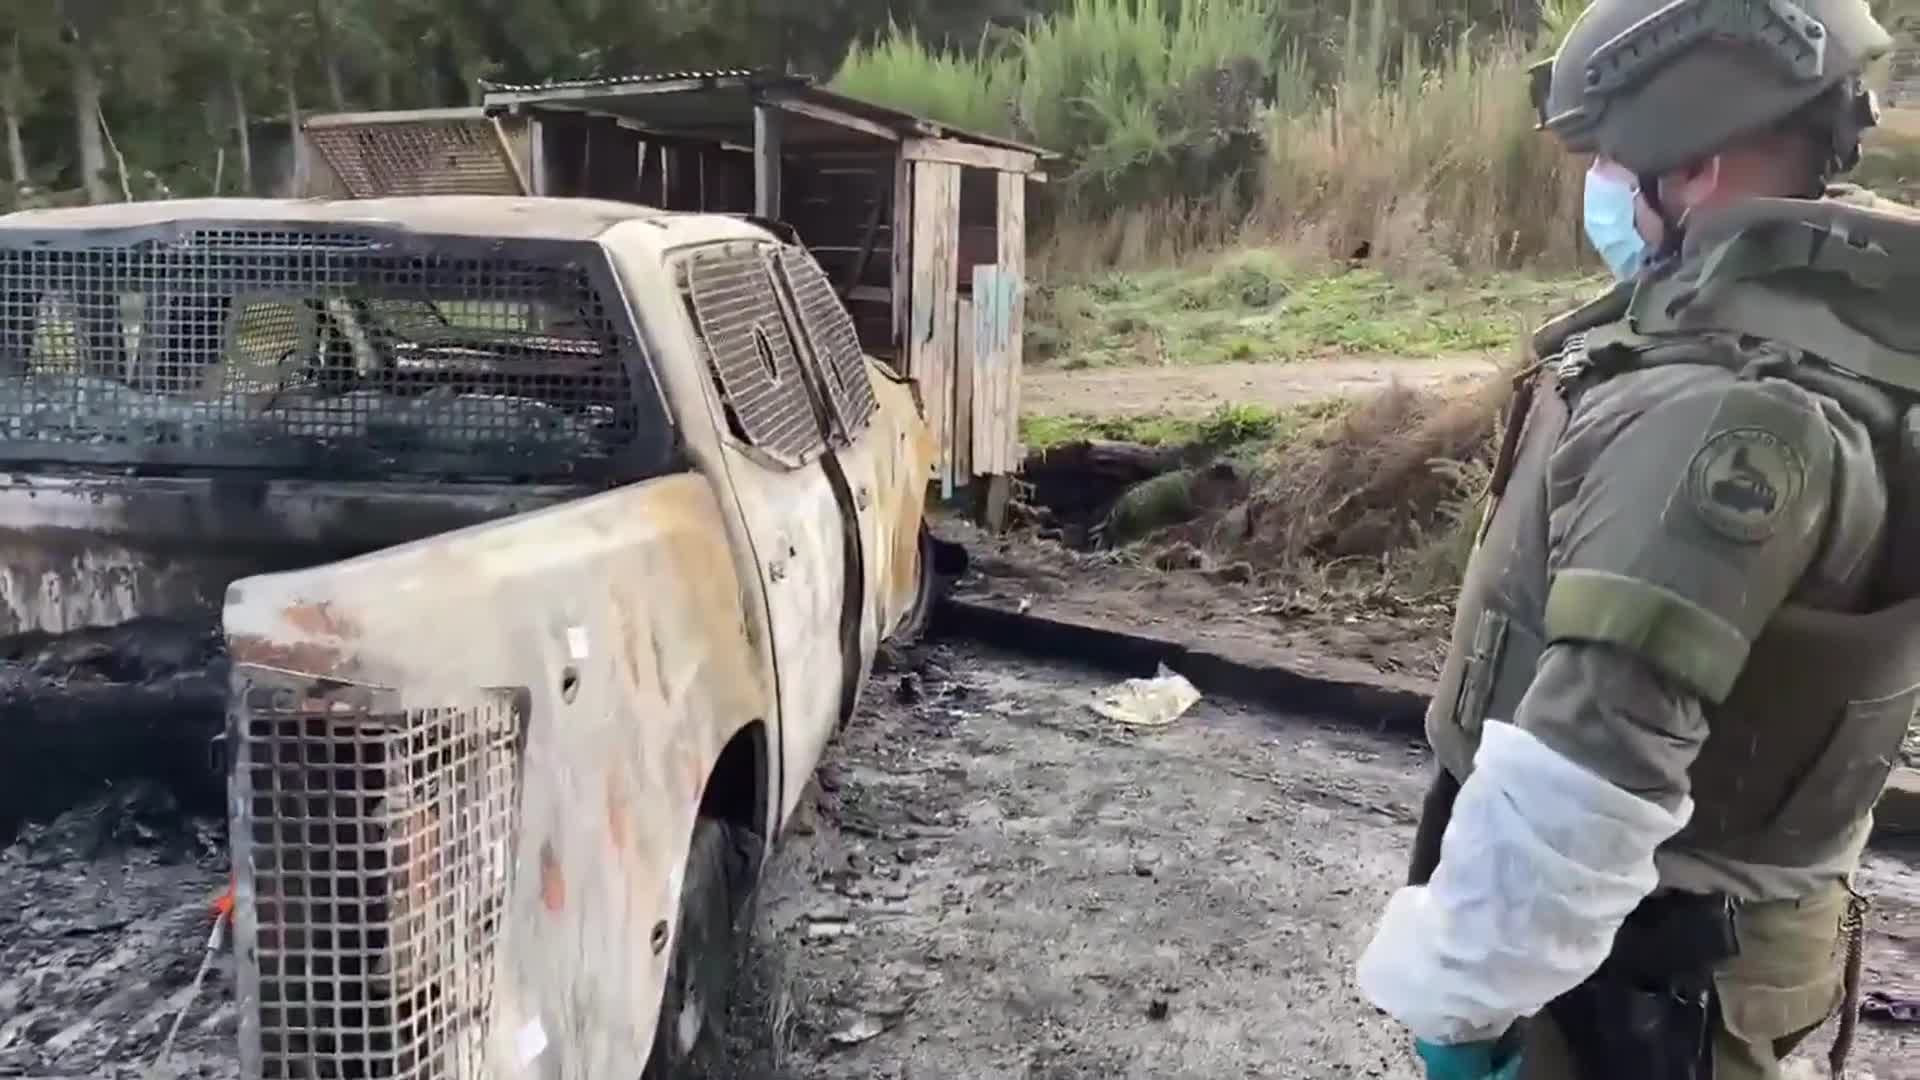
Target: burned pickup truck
<point x="544" y="544"/>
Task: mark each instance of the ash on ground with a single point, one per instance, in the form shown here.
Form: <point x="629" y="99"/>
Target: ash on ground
<point x="105" y="913"/>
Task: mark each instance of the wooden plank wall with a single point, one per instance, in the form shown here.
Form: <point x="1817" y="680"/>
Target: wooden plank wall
<point x="934" y="302"/>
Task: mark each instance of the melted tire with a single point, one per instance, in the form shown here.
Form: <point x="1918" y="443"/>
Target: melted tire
<point x="926" y="595"/>
<point x="709" y="948"/>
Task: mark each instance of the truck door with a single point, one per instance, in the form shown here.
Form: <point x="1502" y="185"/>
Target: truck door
<point x="775" y="457"/>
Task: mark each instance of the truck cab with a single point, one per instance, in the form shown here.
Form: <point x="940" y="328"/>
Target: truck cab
<point x="549" y="541"/>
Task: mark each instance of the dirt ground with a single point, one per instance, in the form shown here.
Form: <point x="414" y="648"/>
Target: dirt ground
<point x="1393" y="640"/>
<point x="994" y="881"/>
<point x="1001" y="883"/>
<point x="1198" y="389"/>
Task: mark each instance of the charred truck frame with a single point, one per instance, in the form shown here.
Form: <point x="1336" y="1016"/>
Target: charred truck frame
<point x="549" y="540"/>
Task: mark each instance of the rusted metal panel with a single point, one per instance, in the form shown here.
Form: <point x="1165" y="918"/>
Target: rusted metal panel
<point x="79" y="552"/>
<point x="626" y="633"/>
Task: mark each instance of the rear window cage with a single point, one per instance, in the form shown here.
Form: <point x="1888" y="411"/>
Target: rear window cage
<point x="833" y="339"/>
<point x="737" y="316"/>
<point x="347" y="353"/>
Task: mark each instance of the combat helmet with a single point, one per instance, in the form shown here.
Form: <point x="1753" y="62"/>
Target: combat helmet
<point x="1655" y="84"/>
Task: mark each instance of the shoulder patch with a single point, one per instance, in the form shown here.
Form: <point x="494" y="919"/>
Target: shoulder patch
<point x="1743" y="482"/>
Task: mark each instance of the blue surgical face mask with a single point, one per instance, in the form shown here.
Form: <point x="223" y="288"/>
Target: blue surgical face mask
<point x="1610" y="226"/>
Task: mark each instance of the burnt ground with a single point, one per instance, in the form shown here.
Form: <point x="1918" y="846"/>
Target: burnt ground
<point x="993" y="881"/>
<point x="1000" y="883"/>
<point x="104" y="915"/>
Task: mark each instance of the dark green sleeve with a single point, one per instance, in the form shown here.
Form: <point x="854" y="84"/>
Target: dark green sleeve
<point x="1687" y="505"/>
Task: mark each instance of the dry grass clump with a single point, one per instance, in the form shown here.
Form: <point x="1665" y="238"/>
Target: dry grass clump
<point x="1387" y="494"/>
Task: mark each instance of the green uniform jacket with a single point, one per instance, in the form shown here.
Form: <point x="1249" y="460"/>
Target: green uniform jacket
<point x="1689" y="585"/>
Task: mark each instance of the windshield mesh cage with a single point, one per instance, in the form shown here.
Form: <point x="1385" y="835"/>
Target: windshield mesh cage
<point x="257" y="346"/>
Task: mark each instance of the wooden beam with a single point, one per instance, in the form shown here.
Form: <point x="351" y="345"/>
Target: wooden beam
<point x="766" y="162"/>
<point x="496" y="99"/>
<point x="954" y="152"/>
<point x="513" y="160"/>
<point x="392" y="116"/>
<point x="828" y="115"/>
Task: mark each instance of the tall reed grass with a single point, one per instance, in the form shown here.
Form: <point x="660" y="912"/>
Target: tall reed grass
<point x="1185" y="125"/>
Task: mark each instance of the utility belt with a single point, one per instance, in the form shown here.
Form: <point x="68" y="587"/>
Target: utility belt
<point x="1650" y="1011"/>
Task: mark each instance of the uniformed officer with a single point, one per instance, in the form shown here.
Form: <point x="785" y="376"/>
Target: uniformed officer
<point x="1685" y="653"/>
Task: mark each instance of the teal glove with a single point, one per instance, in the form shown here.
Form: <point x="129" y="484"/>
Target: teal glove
<point x="1488" y="1060"/>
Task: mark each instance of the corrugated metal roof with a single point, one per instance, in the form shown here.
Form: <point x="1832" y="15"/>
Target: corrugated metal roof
<point x="579" y="94"/>
<point x="612" y="82"/>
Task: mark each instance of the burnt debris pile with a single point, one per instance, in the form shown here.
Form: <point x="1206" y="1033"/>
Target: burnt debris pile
<point x="87" y="712"/>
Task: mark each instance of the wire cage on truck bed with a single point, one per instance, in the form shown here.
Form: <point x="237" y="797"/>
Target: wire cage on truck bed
<point x="330" y="348"/>
<point x="373" y="847"/>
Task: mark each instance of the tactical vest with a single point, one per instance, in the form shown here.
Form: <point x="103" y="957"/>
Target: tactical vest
<point x="1800" y="750"/>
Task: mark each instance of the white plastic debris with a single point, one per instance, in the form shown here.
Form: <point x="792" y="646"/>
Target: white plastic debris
<point x="1155" y="702"/>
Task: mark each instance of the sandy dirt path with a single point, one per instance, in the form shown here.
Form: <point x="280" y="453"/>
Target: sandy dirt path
<point x="1198" y="389"/>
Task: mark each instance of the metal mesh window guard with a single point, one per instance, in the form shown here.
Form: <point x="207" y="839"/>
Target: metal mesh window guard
<point x="291" y="349"/>
<point x="831" y="333"/>
<point x="418" y="157"/>
<point x="376" y="850"/>
<point x="738" y="316"/>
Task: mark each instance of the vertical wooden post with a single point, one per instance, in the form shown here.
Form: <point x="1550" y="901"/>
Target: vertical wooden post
<point x="766" y="161"/>
<point x="537" y="181"/>
<point x="965" y="356"/>
<point x="931" y="338"/>
<point x="1012" y="205"/>
<point x="901" y="240"/>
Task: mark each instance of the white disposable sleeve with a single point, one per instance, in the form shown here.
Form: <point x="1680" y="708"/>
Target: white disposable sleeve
<point x="1540" y="864"/>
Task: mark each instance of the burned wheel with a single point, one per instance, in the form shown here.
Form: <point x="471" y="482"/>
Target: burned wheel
<point x="942" y="562"/>
<point x="709" y="945"/>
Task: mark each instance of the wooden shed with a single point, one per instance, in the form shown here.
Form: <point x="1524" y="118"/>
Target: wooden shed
<point x="921" y="226"/>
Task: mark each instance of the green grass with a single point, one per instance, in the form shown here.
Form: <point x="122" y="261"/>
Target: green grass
<point x="1256" y="306"/>
<point x="1229" y="429"/>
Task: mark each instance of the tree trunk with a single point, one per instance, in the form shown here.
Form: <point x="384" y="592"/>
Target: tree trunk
<point x="293" y="132"/>
<point x="16" y="146"/>
<point x="329" y="60"/>
<point x="242" y="123"/>
<point x="91" y="148"/>
<point x="335" y="90"/>
<point x="10" y="82"/>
